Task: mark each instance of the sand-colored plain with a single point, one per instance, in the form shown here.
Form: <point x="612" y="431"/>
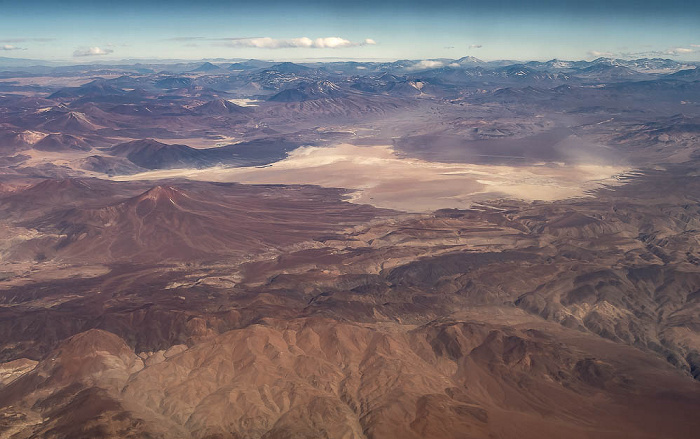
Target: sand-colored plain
<point x="381" y="178"/>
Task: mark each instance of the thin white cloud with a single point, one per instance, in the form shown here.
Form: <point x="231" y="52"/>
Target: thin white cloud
<point x="92" y="51"/>
<point x="184" y="39"/>
<point x="679" y="50"/>
<point x="25" y="40"/>
<point x="427" y="64"/>
<point x="476" y="46"/>
<point x="598" y="54"/>
<point x="674" y="51"/>
<point x="303" y="42"/>
<point x="9" y="47"/>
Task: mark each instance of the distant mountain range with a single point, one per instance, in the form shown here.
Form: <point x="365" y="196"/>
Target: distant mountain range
<point x="209" y="66"/>
<point x="125" y="105"/>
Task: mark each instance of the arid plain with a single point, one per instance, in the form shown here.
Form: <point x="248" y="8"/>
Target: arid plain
<point x="278" y="250"/>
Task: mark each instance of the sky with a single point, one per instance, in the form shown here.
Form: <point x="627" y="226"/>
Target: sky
<point x="99" y="30"/>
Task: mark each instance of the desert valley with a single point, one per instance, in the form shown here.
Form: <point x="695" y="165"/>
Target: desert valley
<point x="346" y="249"/>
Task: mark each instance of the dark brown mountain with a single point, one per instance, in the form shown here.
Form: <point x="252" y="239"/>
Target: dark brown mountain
<point x="71" y="122"/>
<point x="54" y="194"/>
<point x="174" y="82"/>
<point x="313" y="377"/>
<point x="151" y="154"/>
<point x="221" y="107"/>
<point x="308" y="91"/>
<point x="62" y="142"/>
<point x="110" y="165"/>
<point x="167" y="223"/>
<point x="207" y="67"/>
<point x="97" y="88"/>
<point x="14" y="140"/>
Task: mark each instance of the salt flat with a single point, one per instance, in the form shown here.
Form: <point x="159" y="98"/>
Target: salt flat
<point x="381" y="178"/>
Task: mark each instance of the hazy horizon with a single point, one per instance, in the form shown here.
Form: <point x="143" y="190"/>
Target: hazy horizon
<point x="82" y="30"/>
<point x="309" y="60"/>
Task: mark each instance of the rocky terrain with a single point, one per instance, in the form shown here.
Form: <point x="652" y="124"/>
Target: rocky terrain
<point x="141" y="296"/>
